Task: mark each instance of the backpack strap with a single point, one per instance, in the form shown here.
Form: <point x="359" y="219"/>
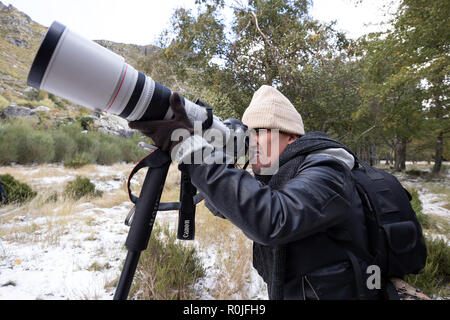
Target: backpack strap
<point x="370" y="171"/>
<point x="358" y="275"/>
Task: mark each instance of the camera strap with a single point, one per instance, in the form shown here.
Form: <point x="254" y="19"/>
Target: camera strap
<point x="188" y="197"/>
<point x="150" y="161"/>
<point x="209" y="111"/>
<point x="186" y="216"/>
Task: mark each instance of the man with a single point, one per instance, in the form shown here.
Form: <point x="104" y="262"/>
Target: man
<point x="301" y="208"/>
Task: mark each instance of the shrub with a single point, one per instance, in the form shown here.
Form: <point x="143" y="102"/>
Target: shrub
<point x="39" y="147"/>
<point x="78" y="160"/>
<point x="86" y="123"/>
<point x="86" y="143"/>
<point x="16" y="192"/>
<point x="81" y="187"/>
<point x="8" y="147"/>
<point x="108" y="153"/>
<point x="24" y="142"/>
<point x="167" y="269"/>
<point x="64" y="146"/>
<point x="12" y="142"/>
<point x="20" y="143"/>
<point x="436" y="275"/>
<point x="130" y="151"/>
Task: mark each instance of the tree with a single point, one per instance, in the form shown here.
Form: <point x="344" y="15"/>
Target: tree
<point x="391" y="94"/>
<point x="272" y="42"/>
<point x="368" y="94"/>
<point x="423" y="32"/>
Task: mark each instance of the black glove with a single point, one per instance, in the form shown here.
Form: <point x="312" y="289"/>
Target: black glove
<point x="160" y="131"/>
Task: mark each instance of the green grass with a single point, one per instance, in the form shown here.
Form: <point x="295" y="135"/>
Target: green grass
<point x="435" y="278"/>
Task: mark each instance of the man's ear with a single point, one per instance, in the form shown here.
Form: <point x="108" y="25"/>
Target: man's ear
<point x="292" y="138"/>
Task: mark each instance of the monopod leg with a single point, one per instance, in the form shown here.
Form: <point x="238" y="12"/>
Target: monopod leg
<point x="142" y="226"/>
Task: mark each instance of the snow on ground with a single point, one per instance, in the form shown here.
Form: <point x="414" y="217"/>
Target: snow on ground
<point x="85" y="258"/>
<point x="432" y="203"/>
<point x="80" y="256"/>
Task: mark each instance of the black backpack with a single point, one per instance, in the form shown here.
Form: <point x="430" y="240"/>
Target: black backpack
<point x="396" y="241"/>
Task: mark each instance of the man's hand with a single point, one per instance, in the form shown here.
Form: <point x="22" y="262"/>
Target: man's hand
<point x="160" y="131"/>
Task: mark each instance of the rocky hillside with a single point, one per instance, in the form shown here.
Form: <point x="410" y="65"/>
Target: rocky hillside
<point x="20" y="38"/>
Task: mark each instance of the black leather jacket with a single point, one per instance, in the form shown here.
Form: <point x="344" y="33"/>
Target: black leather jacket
<point x="307" y="214"/>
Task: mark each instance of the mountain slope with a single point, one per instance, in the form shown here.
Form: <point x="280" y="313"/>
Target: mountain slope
<point x="20" y="38"/>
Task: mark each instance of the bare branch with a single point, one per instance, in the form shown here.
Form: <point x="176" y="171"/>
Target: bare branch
<point x="366" y="132"/>
<point x="275" y="53"/>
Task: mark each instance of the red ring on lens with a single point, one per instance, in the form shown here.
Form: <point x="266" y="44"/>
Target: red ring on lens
<point x="126" y="68"/>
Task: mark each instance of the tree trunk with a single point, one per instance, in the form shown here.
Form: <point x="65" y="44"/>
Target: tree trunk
<point x="373" y="154"/>
<point x="388" y="158"/>
<point x="397" y="158"/>
<point x="400" y="156"/>
<point x="439" y="151"/>
<point x="403" y="145"/>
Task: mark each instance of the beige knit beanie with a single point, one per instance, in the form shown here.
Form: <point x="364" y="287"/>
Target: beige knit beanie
<point x="270" y="109"/>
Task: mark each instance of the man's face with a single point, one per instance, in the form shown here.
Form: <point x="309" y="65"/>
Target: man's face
<point x="266" y="146"/>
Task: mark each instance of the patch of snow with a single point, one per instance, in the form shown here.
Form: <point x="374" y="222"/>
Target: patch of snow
<point x="51" y="180"/>
<point x="85" y="259"/>
<point x="435" y="236"/>
<point x="432" y="204"/>
<point x="108" y="186"/>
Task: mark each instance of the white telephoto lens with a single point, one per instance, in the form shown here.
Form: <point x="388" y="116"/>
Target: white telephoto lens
<point x="84" y="72"/>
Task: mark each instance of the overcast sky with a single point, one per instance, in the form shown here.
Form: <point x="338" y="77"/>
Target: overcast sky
<point x="141" y="21"/>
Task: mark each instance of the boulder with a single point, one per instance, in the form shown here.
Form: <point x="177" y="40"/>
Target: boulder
<point x="42" y="109"/>
<point x="113" y="125"/>
<point x="18" y="42"/>
<point x="18" y="112"/>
